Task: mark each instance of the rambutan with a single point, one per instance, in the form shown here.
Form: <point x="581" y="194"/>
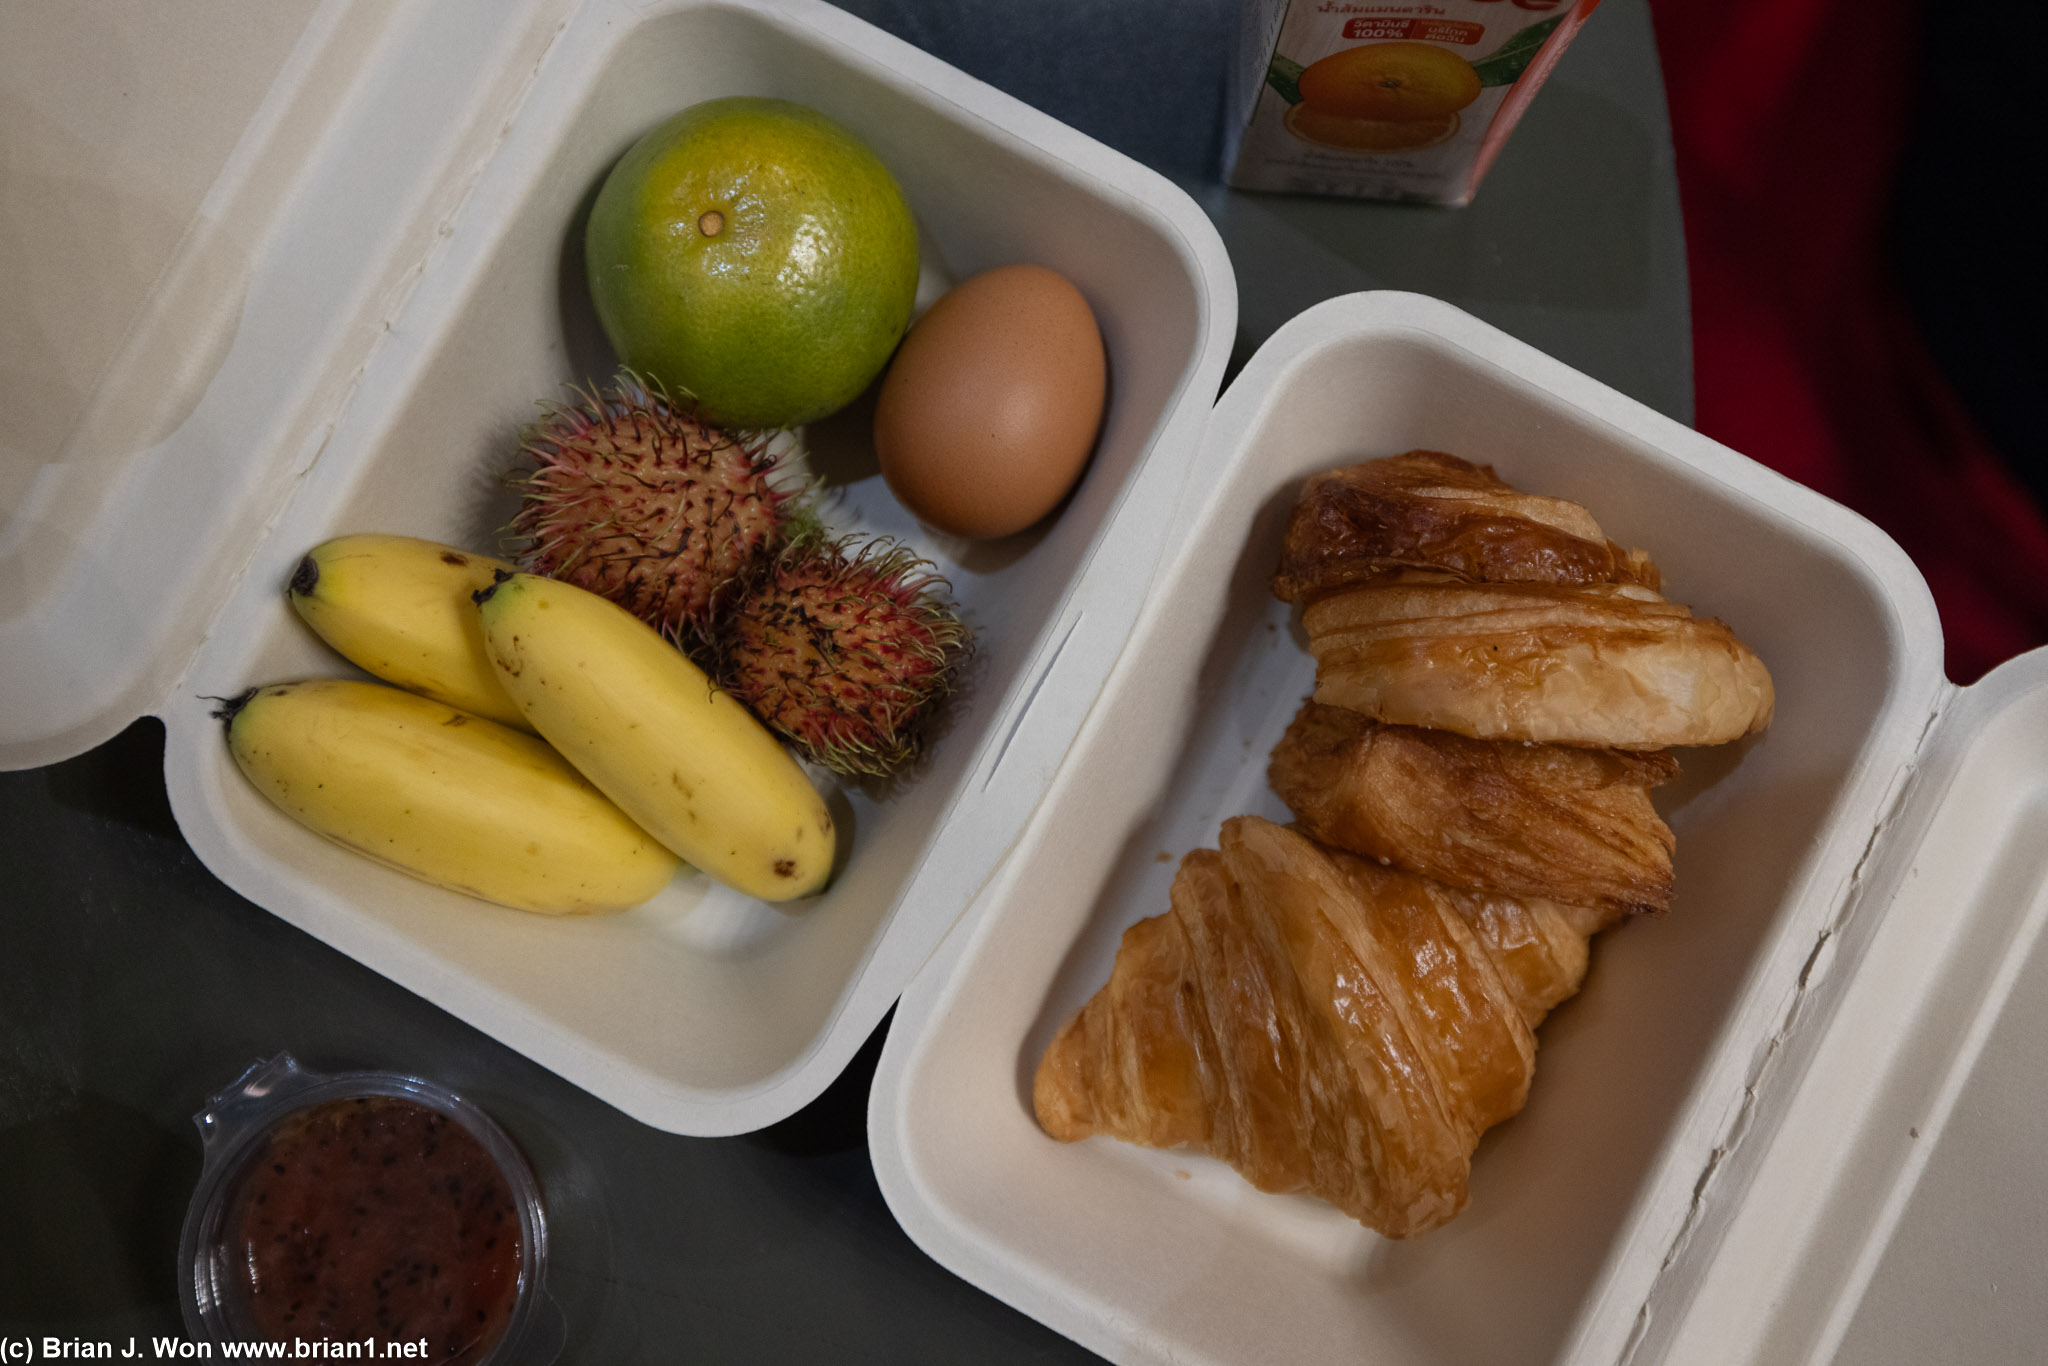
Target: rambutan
<point x="844" y="647"/>
<point x="635" y="496"/>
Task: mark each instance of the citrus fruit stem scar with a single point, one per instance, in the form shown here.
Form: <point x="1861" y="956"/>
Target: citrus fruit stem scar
<point x="712" y="223"/>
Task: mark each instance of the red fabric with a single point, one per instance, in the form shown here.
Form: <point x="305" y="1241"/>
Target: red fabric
<point x="1789" y="117"/>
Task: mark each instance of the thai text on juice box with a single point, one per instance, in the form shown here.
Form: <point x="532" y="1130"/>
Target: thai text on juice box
<point x="1387" y="101"/>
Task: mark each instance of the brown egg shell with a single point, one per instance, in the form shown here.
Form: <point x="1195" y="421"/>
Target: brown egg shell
<point x="992" y="404"/>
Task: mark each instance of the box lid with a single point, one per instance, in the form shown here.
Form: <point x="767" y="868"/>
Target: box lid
<point x="1881" y="1199"/>
<point x="205" y="294"/>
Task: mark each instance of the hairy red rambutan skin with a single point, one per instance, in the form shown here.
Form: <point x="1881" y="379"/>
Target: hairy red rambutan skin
<point x="844" y="647"/>
<point x="636" y="497"/>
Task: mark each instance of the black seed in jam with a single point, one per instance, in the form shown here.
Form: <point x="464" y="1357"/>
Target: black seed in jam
<point x="345" y="1231"/>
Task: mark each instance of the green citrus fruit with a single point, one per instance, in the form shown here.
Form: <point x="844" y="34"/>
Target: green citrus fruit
<point x="758" y="256"/>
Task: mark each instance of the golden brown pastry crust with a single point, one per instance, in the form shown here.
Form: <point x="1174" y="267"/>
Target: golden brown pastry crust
<point x="1428" y="510"/>
<point x="1597" y="664"/>
<point x="1540" y="947"/>
<point x="1344" y="1024"/>
<point x="1528" y="820"/>
<point x="1319" y="1022"/>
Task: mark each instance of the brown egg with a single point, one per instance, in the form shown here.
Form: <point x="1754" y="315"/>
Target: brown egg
<point x="992" y="403"/>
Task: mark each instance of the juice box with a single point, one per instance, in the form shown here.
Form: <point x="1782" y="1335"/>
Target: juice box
<point x="1409" y="102"/>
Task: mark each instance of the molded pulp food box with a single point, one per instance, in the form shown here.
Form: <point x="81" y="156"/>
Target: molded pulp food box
<point x="1735" y="1127"/>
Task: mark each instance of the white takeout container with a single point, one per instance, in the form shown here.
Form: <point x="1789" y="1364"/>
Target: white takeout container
<point x="406" y="307"/>
<point x="1724" y="1124"/>
<point x="384" y="279"/>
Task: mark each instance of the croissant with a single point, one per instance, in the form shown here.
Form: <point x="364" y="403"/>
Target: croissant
<point x="1590" y="664"/>
<point x="1549" y="821"/>
<point x="1495" y="682"/>
<point x="1321" y="1023"/>
<point x="1428" y="510"/>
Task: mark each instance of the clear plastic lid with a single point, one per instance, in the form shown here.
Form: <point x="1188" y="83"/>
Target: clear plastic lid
<point x="371" y="1211"/>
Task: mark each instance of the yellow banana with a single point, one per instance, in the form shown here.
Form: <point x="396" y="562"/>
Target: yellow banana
<point x="451" y="798"/>
<point x="682" y="758"/>
<point x="401" y="609"/>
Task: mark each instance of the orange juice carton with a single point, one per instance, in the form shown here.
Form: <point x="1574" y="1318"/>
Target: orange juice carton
<point x="1387" y="101"/>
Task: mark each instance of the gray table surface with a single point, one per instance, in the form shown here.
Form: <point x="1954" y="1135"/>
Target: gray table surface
<point x="132" y="983"/>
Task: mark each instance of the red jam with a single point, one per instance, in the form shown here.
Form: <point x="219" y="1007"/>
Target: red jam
<point x="377" y="1217"/>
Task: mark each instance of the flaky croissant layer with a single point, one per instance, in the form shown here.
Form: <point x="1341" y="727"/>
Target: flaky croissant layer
<point x="1602" y="664"/>
<point x="1429" y="510"/>
<point x="1553" y="821"/>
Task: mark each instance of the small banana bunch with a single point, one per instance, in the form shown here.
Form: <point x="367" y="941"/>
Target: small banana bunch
<point x="640" y="761"/>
